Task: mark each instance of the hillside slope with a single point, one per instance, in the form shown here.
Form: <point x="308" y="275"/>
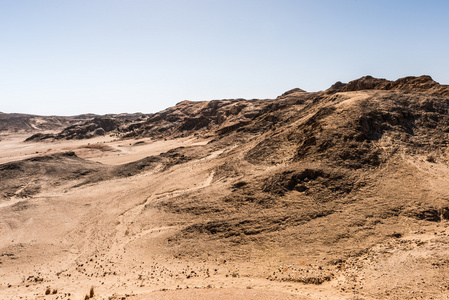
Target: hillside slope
<point x="340" y="194"/>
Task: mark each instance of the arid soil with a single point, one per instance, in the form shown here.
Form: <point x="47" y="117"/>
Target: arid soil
<point x="340" y="194"/>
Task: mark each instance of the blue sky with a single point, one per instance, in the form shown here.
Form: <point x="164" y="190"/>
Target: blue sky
<point x="109" y="56"/>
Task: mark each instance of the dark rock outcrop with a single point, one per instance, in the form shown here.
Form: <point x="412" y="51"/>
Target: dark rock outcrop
<point x="423" y="83"/>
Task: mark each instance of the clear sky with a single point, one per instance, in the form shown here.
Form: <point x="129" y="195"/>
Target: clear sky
<point x="60" y="57"/>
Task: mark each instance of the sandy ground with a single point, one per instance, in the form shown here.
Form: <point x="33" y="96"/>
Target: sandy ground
<point x="113" y="237"/>
<point x="82" y="251"/>
<point x="104" y="149"/>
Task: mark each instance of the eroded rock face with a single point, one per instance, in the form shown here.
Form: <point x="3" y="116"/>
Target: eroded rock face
<point x="423" y="83"/>
<point x="207" y="118"/>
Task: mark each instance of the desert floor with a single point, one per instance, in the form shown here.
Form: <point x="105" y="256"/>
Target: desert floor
<point x="113" y="236"/>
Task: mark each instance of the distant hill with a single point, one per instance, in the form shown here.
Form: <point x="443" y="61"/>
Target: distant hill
<point x="32" y="123"/>
<point x="27" y="123"/>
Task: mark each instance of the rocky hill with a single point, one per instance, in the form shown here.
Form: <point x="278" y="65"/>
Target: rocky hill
<point x="339" y="194"/>
<point x="92" y="127"/>
<point x="25" y="123"/>
<point x="220" y="117"/>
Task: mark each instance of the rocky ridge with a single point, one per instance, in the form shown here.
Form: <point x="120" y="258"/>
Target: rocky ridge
<point x="206" y="118"/>
<point x="336" y="189"/>
<point x="25" y="123"/>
